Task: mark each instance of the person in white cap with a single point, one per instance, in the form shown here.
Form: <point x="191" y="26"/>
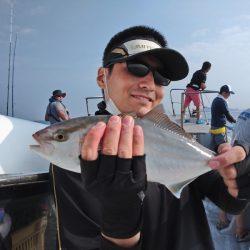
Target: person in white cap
<point x="220" y="114"/>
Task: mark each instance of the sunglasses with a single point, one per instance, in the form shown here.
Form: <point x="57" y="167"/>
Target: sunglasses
<point x="140" y="70"/>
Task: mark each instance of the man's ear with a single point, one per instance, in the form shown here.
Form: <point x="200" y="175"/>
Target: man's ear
<point x="101" y="77"/>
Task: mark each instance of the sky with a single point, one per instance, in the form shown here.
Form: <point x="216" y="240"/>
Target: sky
<point x="60" y="44"/>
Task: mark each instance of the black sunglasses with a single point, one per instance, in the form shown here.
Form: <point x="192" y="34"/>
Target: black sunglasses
<point x="139" y="69"/>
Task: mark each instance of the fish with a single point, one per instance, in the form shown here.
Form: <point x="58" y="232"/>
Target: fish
<point x="173" y="157"/>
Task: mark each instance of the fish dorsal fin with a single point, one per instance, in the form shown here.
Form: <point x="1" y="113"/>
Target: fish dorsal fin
<point x="161" y="120"/>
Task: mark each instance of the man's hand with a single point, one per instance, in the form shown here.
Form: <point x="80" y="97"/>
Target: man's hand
<point x="226" y="165"/>
<point x="116" y="176"/>
<point x="64" y="116"/>
<point x="203" y="86"/>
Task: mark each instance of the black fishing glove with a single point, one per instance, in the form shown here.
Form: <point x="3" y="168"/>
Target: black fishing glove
<point x="243" y="172"/>
<point x="119" y="185"/>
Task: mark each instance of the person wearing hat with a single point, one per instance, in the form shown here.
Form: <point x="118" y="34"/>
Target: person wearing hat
<point x="56" y="110"/>
<point x="220" y="114"/>
<point x="197" y="83"/>
<point x="112" y="205"/>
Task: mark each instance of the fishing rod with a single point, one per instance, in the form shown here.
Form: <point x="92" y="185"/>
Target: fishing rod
<point x="10" y="45"/>
<point x="13" y="72"/>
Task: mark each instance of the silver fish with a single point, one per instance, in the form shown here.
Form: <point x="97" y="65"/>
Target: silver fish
<point x="173" y="157"/>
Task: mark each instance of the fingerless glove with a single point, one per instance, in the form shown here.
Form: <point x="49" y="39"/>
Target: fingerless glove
<point x="119" y="185"/>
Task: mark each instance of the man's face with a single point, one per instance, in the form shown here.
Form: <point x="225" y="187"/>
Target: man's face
<point x="59" y="97"/>
<point x="225" y="94"/>
<point x="132" y="93"/>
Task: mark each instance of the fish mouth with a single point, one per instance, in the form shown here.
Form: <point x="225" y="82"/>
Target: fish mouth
<point x="43" y="147"/>
<point x="35" y="147"/>
<point x="36" y="137"/>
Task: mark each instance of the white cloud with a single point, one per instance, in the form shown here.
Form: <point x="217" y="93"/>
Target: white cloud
<point x="200" y="33"/>
<point x="229" y="51"/>
<point x="231" y="40"/>
<point x="39" y="10"/>
<point x="7" y="1"/>
<point x="245" y="17"/>
<point x="26" y="31"/>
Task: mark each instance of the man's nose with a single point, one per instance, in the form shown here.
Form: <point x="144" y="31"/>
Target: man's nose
<point x="148" y="81"/>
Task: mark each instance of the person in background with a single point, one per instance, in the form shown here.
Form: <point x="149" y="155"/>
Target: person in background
<point x="56" y="110"/>
<point x="102" y="107"/>
<point x="111" y="205"/>
<point x="241" y="133"/>
<point x="220" y="114"/>
<point x="5" y="229"/>
<point x="197" y="83"/>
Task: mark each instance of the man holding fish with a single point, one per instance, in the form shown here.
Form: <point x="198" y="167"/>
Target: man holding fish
<point x="143" y="178"/>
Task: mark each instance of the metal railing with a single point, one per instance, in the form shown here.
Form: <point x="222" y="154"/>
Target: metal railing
<point x="87" y="102"/>
<point x="181" y="103"/>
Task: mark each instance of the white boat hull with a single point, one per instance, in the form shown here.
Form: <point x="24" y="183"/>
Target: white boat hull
<point x="15" y="154"/>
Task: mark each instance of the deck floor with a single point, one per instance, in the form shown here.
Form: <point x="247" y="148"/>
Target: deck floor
<point x="224" y="239"/>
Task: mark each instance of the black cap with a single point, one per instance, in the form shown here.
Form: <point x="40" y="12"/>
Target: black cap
<point x="226" y="89"/>
<point x="58" y="92"/>
<point x="174" y="64"/>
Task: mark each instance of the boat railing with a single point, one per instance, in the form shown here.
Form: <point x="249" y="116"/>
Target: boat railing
<point x="87" y="102"/>
<point x="173" y="102"/>
<point x="181" y="102"/>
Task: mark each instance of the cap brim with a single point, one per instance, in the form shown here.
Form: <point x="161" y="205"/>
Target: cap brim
<point x="173" y="62"/>
<point x="231" y="92"/>
<point x="62" y="94"/>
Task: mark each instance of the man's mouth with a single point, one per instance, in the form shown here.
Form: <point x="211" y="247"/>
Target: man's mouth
<point x="143" y="98"/>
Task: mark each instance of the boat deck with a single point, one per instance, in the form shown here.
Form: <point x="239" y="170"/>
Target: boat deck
<point x="224" y="239"/>
<point x="191" y="126"/>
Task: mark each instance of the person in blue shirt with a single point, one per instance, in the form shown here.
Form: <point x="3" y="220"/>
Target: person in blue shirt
<point x="220" y="115"/>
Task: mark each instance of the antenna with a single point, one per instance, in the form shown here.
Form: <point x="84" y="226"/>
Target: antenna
<point x="11" y="25"/>
<point x="12" y="83"/>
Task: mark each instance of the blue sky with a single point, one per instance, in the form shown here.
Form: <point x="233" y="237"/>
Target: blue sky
<point x="60" y="45"/>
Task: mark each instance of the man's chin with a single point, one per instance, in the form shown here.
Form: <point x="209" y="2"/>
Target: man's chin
<point x="140" y="112"/>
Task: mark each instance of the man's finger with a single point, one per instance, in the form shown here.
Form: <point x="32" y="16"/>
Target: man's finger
<point x="224" y="147"/>
<point x="138" y="141"/>
<point x="89" y="148"/>
<point x="231" y="183"/>
<point x="126" y="138"/>
<point x="234" y="192"/>
<point x="228" y="173"/>
<point x="232" y="156"/>
<point x="112" y="135"/>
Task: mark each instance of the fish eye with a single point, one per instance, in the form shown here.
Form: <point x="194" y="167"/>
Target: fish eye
<point x="60" y="136"/>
